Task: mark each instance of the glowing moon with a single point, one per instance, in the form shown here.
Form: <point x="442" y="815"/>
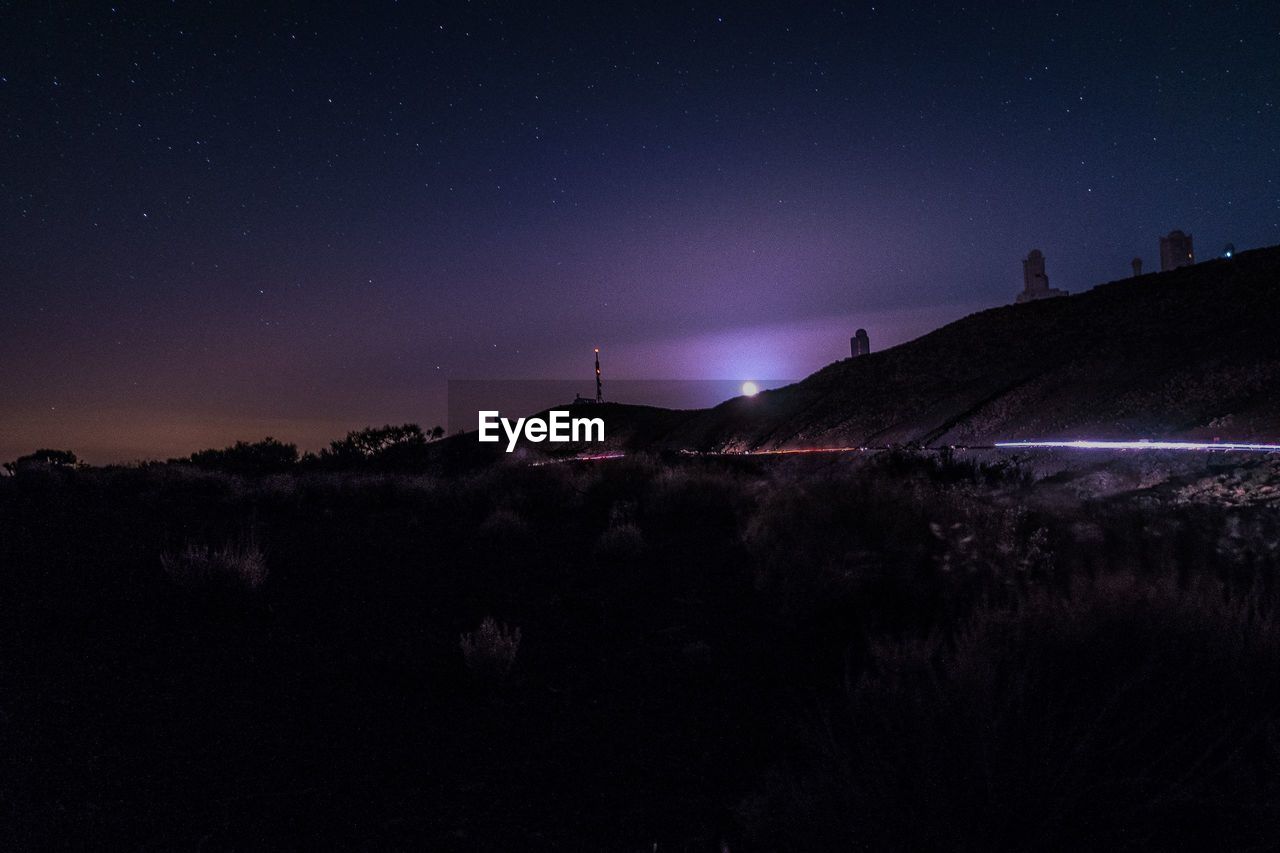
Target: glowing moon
<point x="750" y="389"/>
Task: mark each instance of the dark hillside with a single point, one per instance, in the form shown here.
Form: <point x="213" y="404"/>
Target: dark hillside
<point x="1190" y="352"/>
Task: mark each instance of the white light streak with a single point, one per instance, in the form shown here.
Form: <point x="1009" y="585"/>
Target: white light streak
<point x="1144" y="444"/>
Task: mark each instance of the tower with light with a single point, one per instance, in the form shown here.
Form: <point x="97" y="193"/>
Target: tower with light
<point x="599" y="386"/>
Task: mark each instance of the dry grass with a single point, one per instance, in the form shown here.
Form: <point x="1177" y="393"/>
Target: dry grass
<point x="241" y="565"/>
<point x="490" y="650"/>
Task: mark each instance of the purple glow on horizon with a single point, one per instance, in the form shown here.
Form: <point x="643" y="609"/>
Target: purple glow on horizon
<point x="466" y="191"/>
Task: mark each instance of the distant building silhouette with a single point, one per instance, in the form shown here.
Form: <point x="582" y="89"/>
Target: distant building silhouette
<point x="1176" y="251"/>
<point x="1136" y="263"/>
<point x="1035" y="282"/>
<point x="860" y="344"/>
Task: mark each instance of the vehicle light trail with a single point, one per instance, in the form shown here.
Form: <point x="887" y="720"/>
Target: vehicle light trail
<point x="581" y="457"/>
<point x="781" y="451"/>
<point x="791" y="451"/>
<point x="1143" y="444"/>
<point x="1075" y="444"/>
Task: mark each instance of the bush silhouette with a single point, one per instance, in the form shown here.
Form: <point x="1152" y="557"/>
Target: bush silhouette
<point x="386" y="447"/>
<point x="43" y="460"/>
<point x="256" y="458"/>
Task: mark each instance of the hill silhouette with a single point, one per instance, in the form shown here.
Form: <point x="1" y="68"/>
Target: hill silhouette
<point x="1191" y="352"/>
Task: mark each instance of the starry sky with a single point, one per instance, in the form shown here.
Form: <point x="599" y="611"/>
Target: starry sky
<point x="225" y="223"/>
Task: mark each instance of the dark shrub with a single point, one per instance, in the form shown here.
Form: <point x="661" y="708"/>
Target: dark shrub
<point x="42" y="460"/>
<point x="248" y="458"/>
<point x="1127" y="716"/>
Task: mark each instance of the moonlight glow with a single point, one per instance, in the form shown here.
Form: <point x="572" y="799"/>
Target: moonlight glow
<point x="750" y="389"/>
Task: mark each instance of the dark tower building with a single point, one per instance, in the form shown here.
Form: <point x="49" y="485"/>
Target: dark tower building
<point x="1035" y="282"/>
<point x="1176" y="251"/>
<point x="860" y="344"/>
<point x="1136" y="263"/>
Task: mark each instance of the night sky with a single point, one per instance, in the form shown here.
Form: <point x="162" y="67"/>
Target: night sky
<point x="222" y="225"/>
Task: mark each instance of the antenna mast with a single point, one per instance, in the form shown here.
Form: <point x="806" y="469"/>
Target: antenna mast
<point x="599" y="388"/>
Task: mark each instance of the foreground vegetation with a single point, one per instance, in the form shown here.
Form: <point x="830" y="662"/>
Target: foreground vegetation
<point x="902" y="652"/>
